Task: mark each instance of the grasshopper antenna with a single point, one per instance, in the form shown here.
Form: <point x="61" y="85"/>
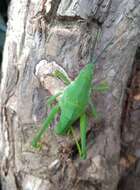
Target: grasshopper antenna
<point x="106" y="46"/>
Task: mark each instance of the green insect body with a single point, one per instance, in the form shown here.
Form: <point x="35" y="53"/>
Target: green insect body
<point x="75" y="99"/>
<point x="72" y="105"/>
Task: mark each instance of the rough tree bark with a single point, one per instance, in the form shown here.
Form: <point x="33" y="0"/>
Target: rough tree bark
<point x="64" y="31"/>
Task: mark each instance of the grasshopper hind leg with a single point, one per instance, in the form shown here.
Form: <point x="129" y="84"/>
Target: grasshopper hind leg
<point x="82" y="149"/>
<point x="35" y="142"/>
<point x="83" y="130"/>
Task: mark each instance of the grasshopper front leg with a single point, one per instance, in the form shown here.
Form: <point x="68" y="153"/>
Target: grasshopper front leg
<point x="62" y="77"/>
<point x="46" y="123"/>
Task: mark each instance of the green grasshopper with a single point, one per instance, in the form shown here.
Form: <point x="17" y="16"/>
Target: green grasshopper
<point x="72" y="105"/>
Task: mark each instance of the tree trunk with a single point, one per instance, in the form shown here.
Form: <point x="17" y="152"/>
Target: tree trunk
<point x="63" y="32"/>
